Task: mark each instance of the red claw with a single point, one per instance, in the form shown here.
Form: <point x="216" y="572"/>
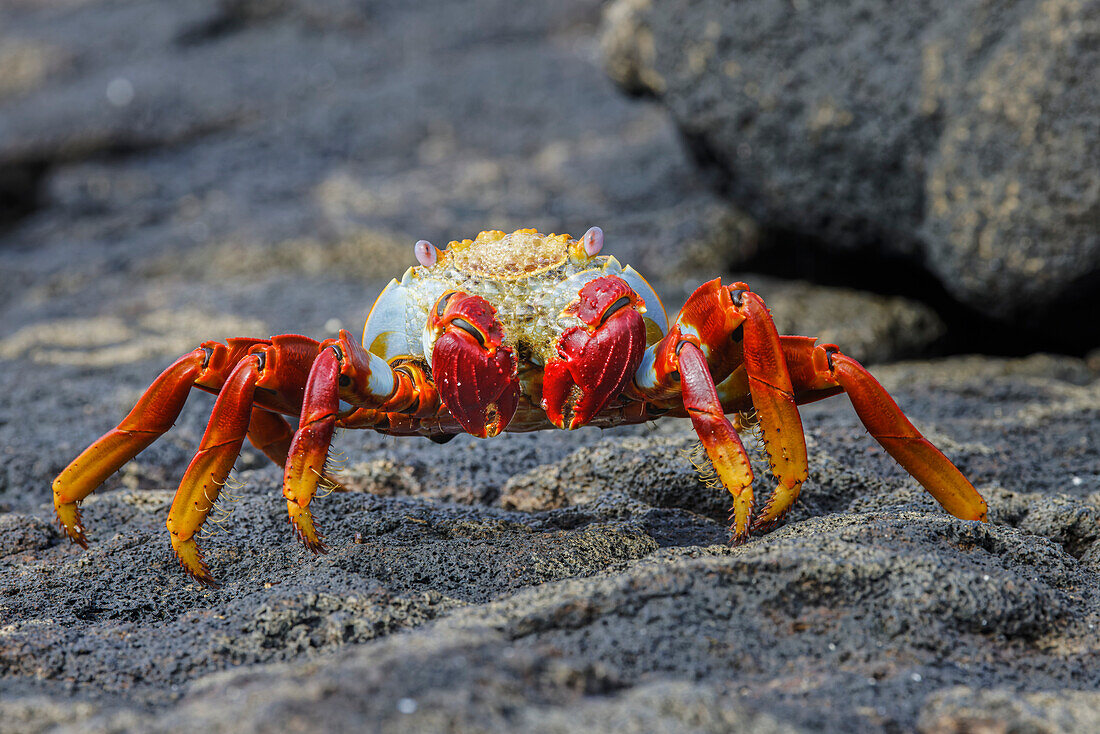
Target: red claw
<point x="474" y="374"/>
<point x="599" y="358"/>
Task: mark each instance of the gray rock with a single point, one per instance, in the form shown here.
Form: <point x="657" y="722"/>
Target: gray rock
<point x="239" y="125"/>
<point x="622" y="604"/>
<point x="947" y="133"/>
<point x="964" y="709"/>
<point x="867" y="327"/>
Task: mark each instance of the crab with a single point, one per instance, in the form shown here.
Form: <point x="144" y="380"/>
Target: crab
<point x="511" y="332"/>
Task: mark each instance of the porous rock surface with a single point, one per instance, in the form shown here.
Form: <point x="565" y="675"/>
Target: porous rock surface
<point x="607" y="598"/>
<point x="958" y="134"/>
<point x="550" y="582"/>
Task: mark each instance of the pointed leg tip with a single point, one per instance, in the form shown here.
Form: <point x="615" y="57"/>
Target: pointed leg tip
<point x="766" y="521"/>
<point x="763" y="526"/>
<point x="777" y="507"/>
<point x="75" y="535"/>
<point x="739" y="520"/>
<point x="190" y="558"/>
<point x="306" y="531"/>
<point x="207" y="581"/>
<point x="68" y="519"/>
<point x="738" y="538"/>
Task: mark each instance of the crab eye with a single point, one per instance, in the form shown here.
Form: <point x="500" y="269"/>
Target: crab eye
<point x="426" y="254"/>
<point x="441" y="304"/>
<point x="469" y="329"/>
<point x="593" y="241"/>
<point x="621" y="303"/>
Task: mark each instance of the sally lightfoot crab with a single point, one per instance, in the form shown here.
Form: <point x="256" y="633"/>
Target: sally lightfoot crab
<point x="510" y="332"/>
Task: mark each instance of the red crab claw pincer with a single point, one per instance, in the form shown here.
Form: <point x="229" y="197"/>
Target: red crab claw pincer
<point x="475" y="375"/>
<point x="600" y="358"/>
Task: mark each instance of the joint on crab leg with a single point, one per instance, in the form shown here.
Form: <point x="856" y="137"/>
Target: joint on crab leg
<point x="774" y="403"/>
<point x="208" y="471"/>
<point x="599" y="359"/>
<point x="415" y="395"/>
<point x="884" y="420"/>
<point x="474" y="373"/>
<point x="720" y="440"/>
<point x="154" y="414"/>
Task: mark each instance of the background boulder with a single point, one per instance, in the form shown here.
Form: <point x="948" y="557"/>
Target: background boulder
<point x="957" y="135"/>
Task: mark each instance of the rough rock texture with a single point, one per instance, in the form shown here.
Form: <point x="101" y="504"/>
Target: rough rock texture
<point x="266" y="171"/>
<point x="961" y="134"/>
<point x="966" y="710"/>
<point x="616" y="601"/>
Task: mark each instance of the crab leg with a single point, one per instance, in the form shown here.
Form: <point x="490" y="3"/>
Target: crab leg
<point x="773" y="398"/>
<point x="280" y="365"/>
<point x="207" y="368"/>
<point x="343" y="370"/>
<point x="738" y="346"/>
<point x="270" y="433"/>
<point x="824" y="368"/>
<point x="206" y="475"/>
<point x="685" y="365"/>
<point x="309" y="450"/>
<point x="154" y="413"/>
<point x="719" y="438"/>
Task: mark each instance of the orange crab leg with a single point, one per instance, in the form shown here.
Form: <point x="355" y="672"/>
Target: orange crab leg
<point x="206" y="368"/>
<point x="343" y="370"/>
<point x="738" y="347"/>
<point x="154" y="414"/>
<point x="718" y="436"/>
<point x="823" y="366"/>
<point x="270" y="433"/>
<point x="206" y="475"/>
<point x="773" y="398"/>
<point x="309" y="449"/>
